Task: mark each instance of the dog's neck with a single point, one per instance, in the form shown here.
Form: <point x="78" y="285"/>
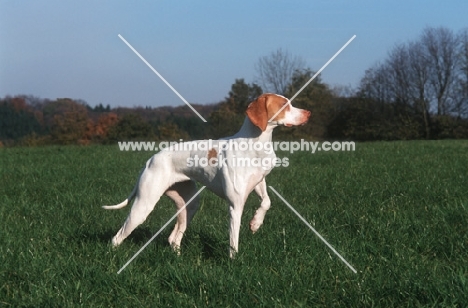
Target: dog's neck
<point x="249" y="130"/>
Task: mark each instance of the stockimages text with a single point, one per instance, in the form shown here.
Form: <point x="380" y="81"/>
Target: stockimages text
<point x="265" y="162"/>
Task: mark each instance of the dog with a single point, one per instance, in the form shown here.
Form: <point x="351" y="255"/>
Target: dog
<point x="175" y="173"/>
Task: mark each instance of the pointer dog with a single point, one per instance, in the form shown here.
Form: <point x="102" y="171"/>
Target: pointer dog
<point x="174" y="173"/>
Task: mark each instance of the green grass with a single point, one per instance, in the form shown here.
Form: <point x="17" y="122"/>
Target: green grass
<point x="397" y="211"/>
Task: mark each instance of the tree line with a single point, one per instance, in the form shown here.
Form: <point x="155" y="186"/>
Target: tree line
<point x="420" y="91"/>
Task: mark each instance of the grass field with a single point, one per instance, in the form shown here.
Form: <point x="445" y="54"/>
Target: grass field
<point x="398" y="212"/>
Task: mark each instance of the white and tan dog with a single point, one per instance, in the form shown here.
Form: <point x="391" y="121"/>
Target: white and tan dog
<point x="174" y="173"/>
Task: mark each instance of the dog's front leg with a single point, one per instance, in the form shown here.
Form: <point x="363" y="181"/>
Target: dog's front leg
<point x="235" y="211"/>
<point x="257" y="220"/>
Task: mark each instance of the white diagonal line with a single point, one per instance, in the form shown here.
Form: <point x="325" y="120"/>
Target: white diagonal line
<point x="160" y="230"/>
<point x="316" y="233"/>
<point x="162" y="78"/>
<point x="313" y="77"/>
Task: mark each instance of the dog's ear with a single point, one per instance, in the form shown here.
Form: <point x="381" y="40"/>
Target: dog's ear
<point x="257" y="112"/>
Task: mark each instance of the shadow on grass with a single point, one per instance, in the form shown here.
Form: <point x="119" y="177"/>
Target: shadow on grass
<point x="204" y="243"/>
<point x="212" y="248"/>
<point x="139" y="237"/>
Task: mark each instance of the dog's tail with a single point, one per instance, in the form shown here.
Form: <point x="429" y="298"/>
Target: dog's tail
<point x="124" y="203"/>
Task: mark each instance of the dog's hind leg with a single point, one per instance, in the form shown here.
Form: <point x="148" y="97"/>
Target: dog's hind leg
<point x="151" y="186"/>
<point x="180" y="193"/>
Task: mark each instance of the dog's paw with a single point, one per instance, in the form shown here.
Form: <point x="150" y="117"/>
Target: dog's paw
<point x="115" y="242"/>
<point x="176" y="248"/>
<point x="232" y="253"/>
<point x="255" y="225"/>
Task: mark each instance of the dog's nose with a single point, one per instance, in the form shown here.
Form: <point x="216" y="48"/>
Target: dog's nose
<point x="305" y="116"/>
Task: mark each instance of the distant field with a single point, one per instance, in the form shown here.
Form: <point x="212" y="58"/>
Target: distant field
<point x="397" y="211"/>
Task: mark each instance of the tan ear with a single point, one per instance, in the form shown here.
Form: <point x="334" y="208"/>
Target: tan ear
<point x="257" y="112"/>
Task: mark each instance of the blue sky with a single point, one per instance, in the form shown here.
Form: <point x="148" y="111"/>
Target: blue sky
<point x="53" y="49"/>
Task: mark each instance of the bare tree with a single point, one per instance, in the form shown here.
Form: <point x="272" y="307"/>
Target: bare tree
<point x="419" y="82"/>
<point x="375" y="84"/>
<point x="407" y="76"/>
<point x="461" y="103"/>
<point x="398" y="75"/>
<point x="440" y="48"/>
<point x="275" y="72"/>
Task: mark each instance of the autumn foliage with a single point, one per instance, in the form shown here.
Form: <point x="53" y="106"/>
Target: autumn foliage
<point x="31" y="121"/>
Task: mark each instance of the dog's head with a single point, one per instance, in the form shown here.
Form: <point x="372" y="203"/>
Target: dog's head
<point x="276" y="108"/>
